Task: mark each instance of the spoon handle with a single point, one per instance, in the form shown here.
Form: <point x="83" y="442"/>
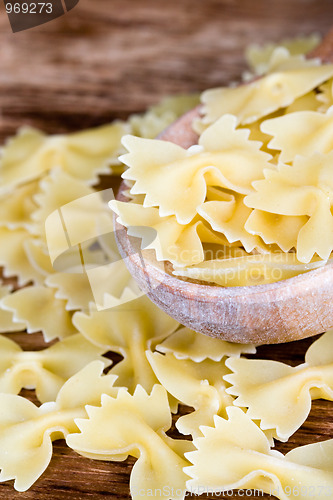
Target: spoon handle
<point x="324" y="50"/>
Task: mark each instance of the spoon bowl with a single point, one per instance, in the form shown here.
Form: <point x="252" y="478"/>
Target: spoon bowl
<point x="284" y="311"/>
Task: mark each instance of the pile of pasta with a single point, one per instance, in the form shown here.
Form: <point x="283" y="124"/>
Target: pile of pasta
<point x="63" y="276"/>
<point x="251" y="203"/>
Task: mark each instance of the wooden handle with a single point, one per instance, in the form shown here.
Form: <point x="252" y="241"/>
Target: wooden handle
<point x="325" y="50"/>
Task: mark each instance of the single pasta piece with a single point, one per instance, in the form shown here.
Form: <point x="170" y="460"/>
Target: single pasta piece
<point x="39" y="309"/>
<point x="187" y="344"/>
<point x="289" y="78"/>
<point x="235" y="454"/>
<point x="46" y="370"/>
<point x="27" y="431"/>
<point x="303" y="189"/>
<point x="199" y="385"/>
<point x="280" y="395"/>
<point x="248" y="270"/>
<point x="176" y="180"/>
<point x="136" y="425"/>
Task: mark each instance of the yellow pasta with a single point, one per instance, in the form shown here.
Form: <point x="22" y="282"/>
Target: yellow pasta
<point x="46" y="370"/>
<point x="235" y="454"/>
<point x="84" y="155"/>
<point x="129" y="329"/>
<point x="227" y="214"/>
<point x="7" y="323"/>
<point x="249" y="204"/>
<point x="278" y="394"/>
<point x="325" y="96"/>
<point x="248" y="270"/>
<point x="176" y="180"/>
<point x="14" y="258"/>
<point x="301" y="190"/>
<point x="187" y="344"/>
<point x="136" y="425"/>
<point x="27" y="431"/>
<point x="199" y="385"/>
<point x="258" y="56"/>
<point x="289" y="78"/>
<point x="300" y="133"/>
<point x="16" y="208"/>
<point x="39" y="310"/>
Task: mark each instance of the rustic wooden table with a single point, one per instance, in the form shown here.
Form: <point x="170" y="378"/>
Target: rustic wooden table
<point x="106" y="59"/>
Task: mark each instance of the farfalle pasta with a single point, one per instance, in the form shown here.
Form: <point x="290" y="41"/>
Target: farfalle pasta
<point x="136" y="425"/>
<point x="84" y="155"/>
<point x="289" y="78"/>
<point x="248" y="270"/>
<point x="258" y="56"/>
<point x="325" y="96"/>
<point x="16" y="208"/>
<point x="27" y="431"/>
<point x="311" y="133"/>
<point x="217" y="188"/>
<point x="14" y="258"/>
<point x="235" y="454"/>
<point x="199" y="385"/>
<point x="50" y="316"/>
<point x="46" y="370"/>
<point x="161" y="115"/>
<point x="278" y="394"/>
<point x="129" y="329"/>
<point x="303" y="189"/>
<point x="188" y="344"/>
<point x="214" y="212"/>
<point x="176" y="180"/>
<point x="7" y="323"/>
<point x="177" y="243"/>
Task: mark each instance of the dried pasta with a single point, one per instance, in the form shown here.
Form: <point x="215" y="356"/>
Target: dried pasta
<point x="7" y="323"/>
<point x="235" y="454"/>
<point x="16" y="208"/>
<point x="248" y="270"/>
<point x="129" y="329"/>
<point x="27" y="431"/>
<point x="258" y="56"/>
<point x="199" y="385"/>
<point x="39" y="309"/>
<point x="302" y="189"/>
<point x="84" y="155"/>
<point x="325" y="96"/>
<point x="46" y="370"/>
<point x="240" y="208"/>
<point x="312" y="133"/>
<point x="180" y="244"/>
<point x="278" y="394"/>
<point x="290" y="77"/>
<point x="187" y="344"/>
<point x="160" y="116"/>
<point x="14" y="258"/>
<point x="136" y="425"/>
<point x="176" y="180"/>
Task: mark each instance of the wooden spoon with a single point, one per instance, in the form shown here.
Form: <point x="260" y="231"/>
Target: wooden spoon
<point x="287" y="310"/>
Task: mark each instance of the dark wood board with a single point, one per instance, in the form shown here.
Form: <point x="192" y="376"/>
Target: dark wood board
<point x="106" y="59"/>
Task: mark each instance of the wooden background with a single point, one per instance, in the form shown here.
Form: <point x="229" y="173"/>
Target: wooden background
<point x="104" y="60"/>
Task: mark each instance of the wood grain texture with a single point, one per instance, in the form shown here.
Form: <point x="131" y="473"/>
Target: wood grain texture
<point x="106" y="59"/>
